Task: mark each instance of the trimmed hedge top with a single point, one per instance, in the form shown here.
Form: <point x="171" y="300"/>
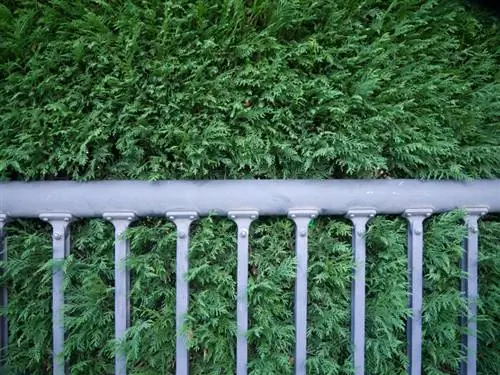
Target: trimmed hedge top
<point x="248" y="89"/>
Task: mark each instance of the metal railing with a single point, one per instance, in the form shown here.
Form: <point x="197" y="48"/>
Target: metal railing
<point x="121" y="202"/>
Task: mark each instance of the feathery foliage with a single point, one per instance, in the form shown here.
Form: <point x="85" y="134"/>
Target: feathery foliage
<point x="131" y="89"/>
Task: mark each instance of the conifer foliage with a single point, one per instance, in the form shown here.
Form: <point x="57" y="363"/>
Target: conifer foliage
<point x="94" y="89"/>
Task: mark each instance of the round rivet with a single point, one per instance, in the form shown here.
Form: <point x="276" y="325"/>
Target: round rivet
<point x="360" y="233"/>
<point x="57" y="236"/>
<point x="302" y="233"/>
<point x="351" y="215"/>
<point x="182" y="235"/>
<point x="45" y="219"/>
<point x="473" y="229"/>
<point x="243" y="233"/>
<point x="253" y="217"/>
<point x="428" y="214"/>
<point x="233" y="217"/>
<point x="66" y="219"/>
<point x="418" y="232"/>
<point x="408" y="215"/>
<point x="191" y="217"/>
<point x="108" y="218"/>
<point x="129" y="218"/>
<point x="372" y="215"/>
<point x="293" y="216"/>
<point x="313" y="216"/>
<point x="171" y="218"/>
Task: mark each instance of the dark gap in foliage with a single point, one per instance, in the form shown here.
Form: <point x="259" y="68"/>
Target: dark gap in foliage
<point x="488" y="5"/>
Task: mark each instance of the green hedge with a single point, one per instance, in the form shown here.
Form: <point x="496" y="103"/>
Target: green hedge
<point x="211" y="89"/>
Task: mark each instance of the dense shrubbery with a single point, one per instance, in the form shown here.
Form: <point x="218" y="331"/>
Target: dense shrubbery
<point x="247" y="89"/>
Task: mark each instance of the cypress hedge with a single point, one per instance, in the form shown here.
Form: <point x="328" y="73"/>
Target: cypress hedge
<point x="225" y="89"/>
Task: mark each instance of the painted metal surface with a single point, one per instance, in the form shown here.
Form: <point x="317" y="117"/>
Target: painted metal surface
<point x="182" y="220"/>
<point x="469" y="289"/>
<point x="359" y="219"/>
<point x="268" y="197"/>
<point x="301" y="218"/>
<point x="4" y="330"/>
<point x="121" y="221"/>
<point x="60" y="245"/>
<point x="415" y="219"/>
<point x="243" y="219"/>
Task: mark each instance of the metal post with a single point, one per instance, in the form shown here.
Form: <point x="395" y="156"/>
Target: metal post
<point x="243" y="219"/>
<point x="121" y="221"/>
<point x="469" y="289"/>
<point x="301" y="219"/>
<point x="182" y="222"/>
<point x="415" y="219"/>
<point x="60" y="245"/>
<point x="4" y="328"/>
<point x="359" y="219"/>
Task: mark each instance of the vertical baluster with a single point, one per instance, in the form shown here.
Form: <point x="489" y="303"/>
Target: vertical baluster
<point x="469" y="289"/>
<point x="60" y="246"/>
<point x="243" y="219"/>
<point x="121" y="221"/>
<point x="301" y="219"/>
<point x="359" y="219"/>
<point x="182" y="222"/>
<point x="415" y="219"/>
<point x="4" y="329"/>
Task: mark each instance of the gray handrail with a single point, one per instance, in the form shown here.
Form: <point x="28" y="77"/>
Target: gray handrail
<point x="268" y="197"/>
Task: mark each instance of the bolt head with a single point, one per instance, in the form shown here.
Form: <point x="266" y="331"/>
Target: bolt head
<point x="191" y="217"/>
<point x="428" y="214"/>
<point x="233" y="217"/>
<point x="302" y="233"/>
<point x="129" y="218"/>
<point x="253" y="217"/>
<point x="45" y="219"/>
<point x="171" y="218"/>
<point x="372" y="215"/>
<point x="474" y="229"/>
<point x="57" y="236"/>
<point x="66" y="219"/>
<point x="418" y="232"/>
<point x="182" y="235"/>
<point x="108" y="218"/>
<point x="351" y="215"/>
<point x="313" y="216"/>
<point x="293" y="216"/>
<point x="243" y="233"/>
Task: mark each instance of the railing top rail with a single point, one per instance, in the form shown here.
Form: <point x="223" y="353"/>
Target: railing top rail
<point x="268" y="197"/>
